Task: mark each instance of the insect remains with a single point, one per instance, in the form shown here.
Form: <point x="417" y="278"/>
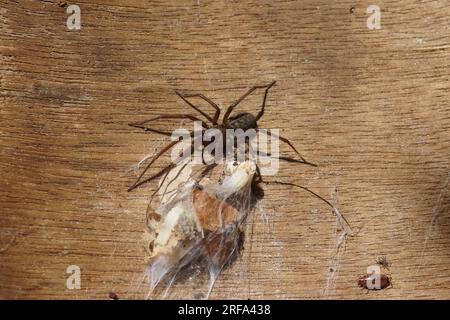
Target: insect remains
<point x="200" y="228"/>
<point x="197" y="228"/>
<point x="378" y="276"/>
<point x="374" y="281"/>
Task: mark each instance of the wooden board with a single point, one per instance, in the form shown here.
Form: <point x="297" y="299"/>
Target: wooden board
<point x="371" y="107"/>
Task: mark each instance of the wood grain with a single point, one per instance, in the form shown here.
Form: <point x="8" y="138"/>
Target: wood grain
<point x="371" y="107"/>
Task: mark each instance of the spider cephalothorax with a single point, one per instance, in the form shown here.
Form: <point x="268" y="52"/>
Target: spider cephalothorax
<point x="243" y="121"/>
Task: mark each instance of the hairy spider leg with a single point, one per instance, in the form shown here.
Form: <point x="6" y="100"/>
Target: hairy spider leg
<point x="195" y="108"/>
<point x="140" y="182"/>
<point x="203" y="173"/>
<point x="164" y="133"/>
<point x="167" y="168"/>
<point x="159" y="154"/>
<point x="215" y="106"/>
<point x="287" y="159"/>
<point x="140" y="124"/>
<point x="290" y="145"/>
<point x="233" y="105"/>
<point x="261" y="113"/>
<point x="170" y="182"/>
<point x="308" y="190"/>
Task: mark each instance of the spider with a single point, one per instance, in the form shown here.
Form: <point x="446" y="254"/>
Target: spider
<point x="243" y="120"/>
<point x="384" y="262"/>
<point x="223" y="243"/>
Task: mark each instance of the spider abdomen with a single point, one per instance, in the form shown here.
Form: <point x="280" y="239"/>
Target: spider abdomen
<point x="242" y="121"/>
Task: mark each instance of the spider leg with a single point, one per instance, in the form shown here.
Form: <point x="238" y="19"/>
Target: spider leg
<point x="166" y="174"/>
<point x="234" y="104"/>
<point x="287" y="159"/>
<point x="140" y="124"/>
<point x="159" y="154"/>
<point x="292" y="147"/>
<point x="164" y="133"/>
<point x="162" y="183"/>
<point x="194" y="107"/>
<point x="170" y="182"/>
<point x="311" y="192"/>
<point x="215" y="106"/>
<point x="261" y="113"/>
<point x="140" y="182"/>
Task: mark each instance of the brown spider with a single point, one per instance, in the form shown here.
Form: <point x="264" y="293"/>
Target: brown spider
<point x="384" y="262"/>
<point x="220" y="246"/>
<point x="242" y="121"/>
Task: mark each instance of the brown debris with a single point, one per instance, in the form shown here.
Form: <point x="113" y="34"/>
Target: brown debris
<point x="113" y="296"/>
<point x="365" y="279"/>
